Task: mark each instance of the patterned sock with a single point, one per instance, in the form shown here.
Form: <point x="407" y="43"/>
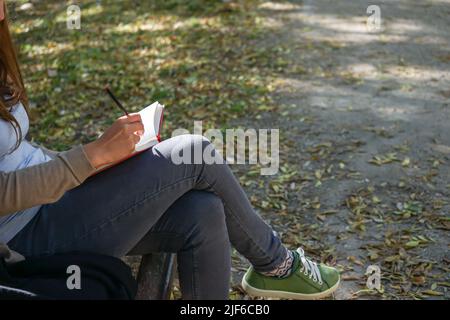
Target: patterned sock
<point x="283" y="269"/>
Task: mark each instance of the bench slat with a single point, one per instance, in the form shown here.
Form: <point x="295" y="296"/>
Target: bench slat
<point x="155" y="276"/>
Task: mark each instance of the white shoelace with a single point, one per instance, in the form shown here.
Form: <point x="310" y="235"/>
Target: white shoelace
<point x="309" y="268"/>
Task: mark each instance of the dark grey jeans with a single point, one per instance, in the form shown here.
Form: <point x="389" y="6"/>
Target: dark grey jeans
<point x="150" y="204"/>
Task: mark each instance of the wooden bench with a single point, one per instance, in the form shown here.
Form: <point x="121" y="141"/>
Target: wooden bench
<point x="155" y="276"/>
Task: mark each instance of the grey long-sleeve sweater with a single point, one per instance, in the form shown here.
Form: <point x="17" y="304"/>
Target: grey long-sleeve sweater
<point x="43" y="183"/>
<point x="31" y="175"/>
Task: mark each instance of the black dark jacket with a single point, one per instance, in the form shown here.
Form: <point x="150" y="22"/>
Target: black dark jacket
<point x="101" y="278"/>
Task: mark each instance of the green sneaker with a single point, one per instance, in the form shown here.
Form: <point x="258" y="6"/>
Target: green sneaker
<point x="308" y="280"/>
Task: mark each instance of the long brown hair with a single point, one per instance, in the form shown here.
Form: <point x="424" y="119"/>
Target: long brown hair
<point x="11" y="82"/>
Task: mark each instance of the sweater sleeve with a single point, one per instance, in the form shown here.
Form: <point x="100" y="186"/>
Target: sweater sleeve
<point x="43" y="183"/>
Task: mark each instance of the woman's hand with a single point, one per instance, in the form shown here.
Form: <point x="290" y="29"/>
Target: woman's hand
<point x="117" y="142"/>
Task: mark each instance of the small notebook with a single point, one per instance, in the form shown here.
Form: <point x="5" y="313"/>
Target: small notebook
<point x="152" y="118"/>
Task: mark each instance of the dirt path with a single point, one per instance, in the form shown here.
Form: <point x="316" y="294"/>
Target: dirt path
<point x="365" y="120"/>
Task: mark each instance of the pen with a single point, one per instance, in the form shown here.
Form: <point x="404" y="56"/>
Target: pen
<point x="115" y="100"/>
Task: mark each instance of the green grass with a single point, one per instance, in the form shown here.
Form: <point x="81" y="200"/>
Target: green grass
<point x="199" y="58"/>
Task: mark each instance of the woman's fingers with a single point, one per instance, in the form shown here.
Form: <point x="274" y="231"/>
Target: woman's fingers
<point x="136" y="138"/>
<point x="134" y="127"/>
<point x="132" y="117"/>
<point x="132" y="123"/>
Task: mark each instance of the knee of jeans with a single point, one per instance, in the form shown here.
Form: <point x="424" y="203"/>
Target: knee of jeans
<point x="189" y="140"/>
<point x="195" y="149"/>
<point x="199" y="142"/>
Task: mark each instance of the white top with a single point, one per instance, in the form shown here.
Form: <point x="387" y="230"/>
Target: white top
<point x="25" y="155"/>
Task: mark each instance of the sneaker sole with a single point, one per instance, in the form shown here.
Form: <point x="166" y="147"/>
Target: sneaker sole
<point x="255" y="292"/>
